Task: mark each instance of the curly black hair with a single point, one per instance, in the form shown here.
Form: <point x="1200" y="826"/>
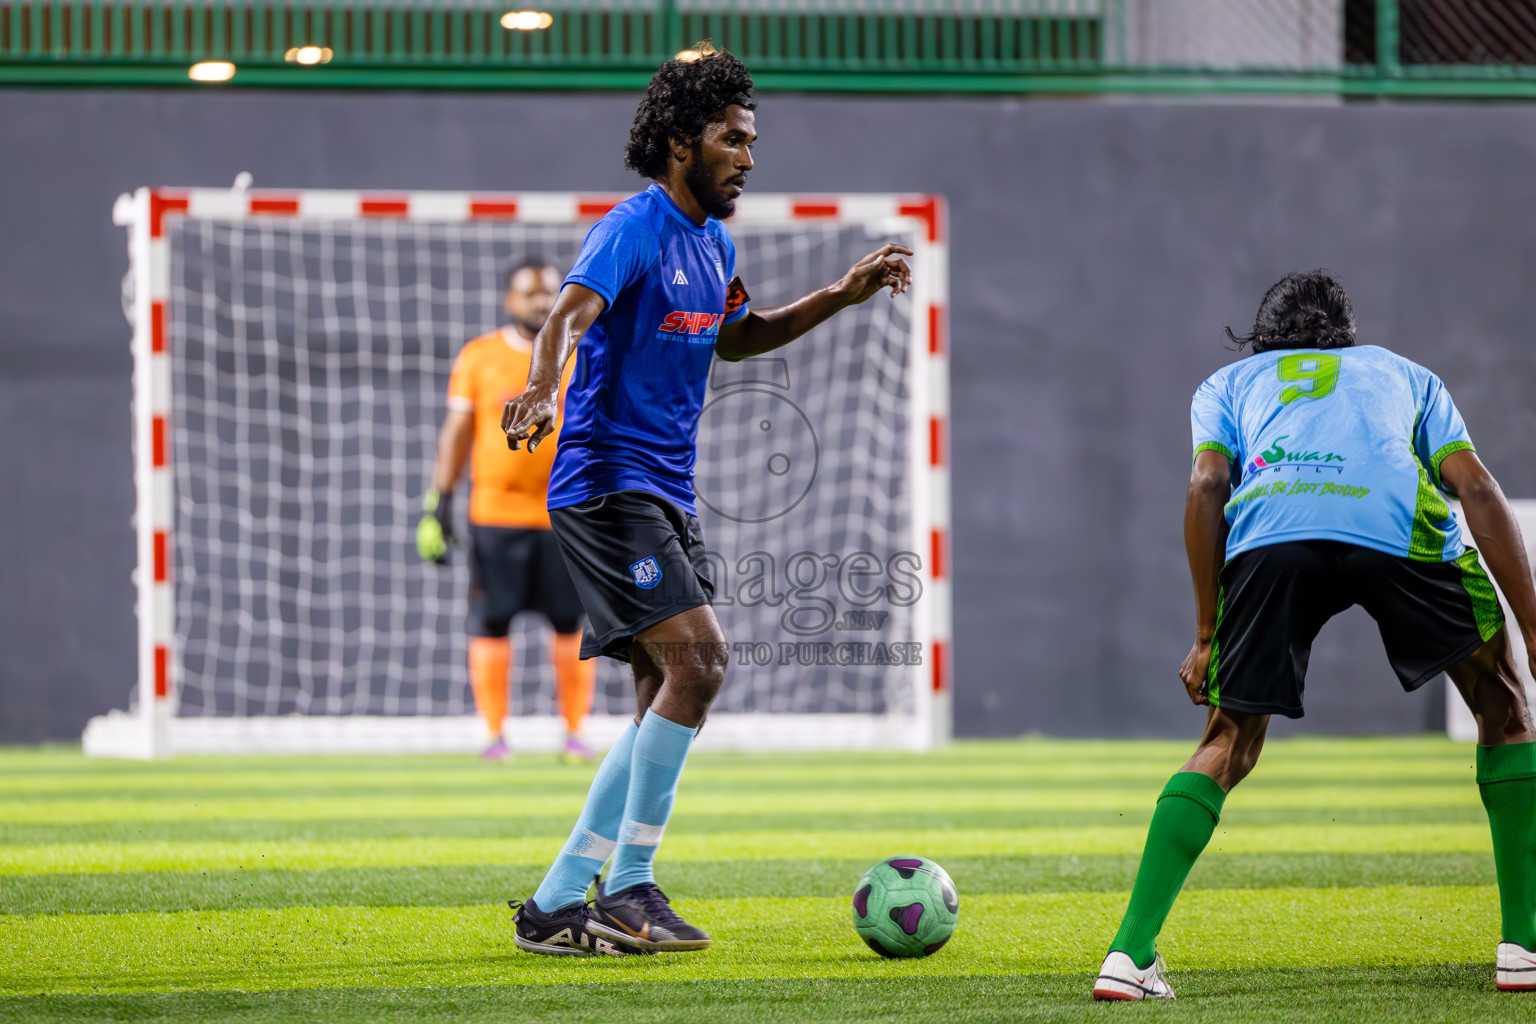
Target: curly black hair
<point x="1307" y="310"/>
<point x="684" y="96"/>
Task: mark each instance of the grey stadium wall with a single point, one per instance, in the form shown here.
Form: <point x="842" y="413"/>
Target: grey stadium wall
<point x="1097" y="250"/>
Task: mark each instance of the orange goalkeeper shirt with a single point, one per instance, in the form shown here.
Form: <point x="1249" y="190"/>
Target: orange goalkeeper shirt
<point x="509" y="488"/>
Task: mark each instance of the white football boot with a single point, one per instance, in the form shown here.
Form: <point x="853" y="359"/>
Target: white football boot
<point x="1120" y="978"/>
<point x="1516" y="970"/>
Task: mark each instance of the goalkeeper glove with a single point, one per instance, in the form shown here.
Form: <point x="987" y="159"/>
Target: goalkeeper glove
<point x="435" y="531"/>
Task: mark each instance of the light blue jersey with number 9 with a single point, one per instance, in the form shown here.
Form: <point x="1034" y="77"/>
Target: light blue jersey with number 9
<point x="1334" y="444"/>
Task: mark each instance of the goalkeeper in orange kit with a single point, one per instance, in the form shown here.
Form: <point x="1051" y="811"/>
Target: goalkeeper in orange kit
<point x="514" y="563"/>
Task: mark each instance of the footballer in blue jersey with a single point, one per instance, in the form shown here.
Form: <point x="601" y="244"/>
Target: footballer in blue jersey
<point x="1321" y="478"/>
<point x="652" y="300"/>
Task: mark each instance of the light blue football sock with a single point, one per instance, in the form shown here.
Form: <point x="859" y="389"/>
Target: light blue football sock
<point x="661" y="747"/>
<point x="596" y="831"/>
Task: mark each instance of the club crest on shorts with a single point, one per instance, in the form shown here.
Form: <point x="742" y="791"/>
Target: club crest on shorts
<point x="647" y="572"/>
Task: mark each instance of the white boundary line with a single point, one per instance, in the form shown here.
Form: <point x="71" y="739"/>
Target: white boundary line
<point x="121" y="735"/>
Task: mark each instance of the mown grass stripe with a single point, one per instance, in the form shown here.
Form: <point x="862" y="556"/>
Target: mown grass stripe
<point x="68" y="753"/>
<point x="1346" y="756"/>
<point x="338" y="777"/>
<point x="489" y="884"/>
<point x="329" y="947"/>
<point x="559" y="825"/>
<point x="870" y="844"/>
<point x="745" y="801"/>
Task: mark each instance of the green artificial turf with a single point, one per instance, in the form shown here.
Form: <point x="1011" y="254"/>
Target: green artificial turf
<point x="125" y="892"/>
<point x="1442" y="994"/>
<point x="1349" y="879"/>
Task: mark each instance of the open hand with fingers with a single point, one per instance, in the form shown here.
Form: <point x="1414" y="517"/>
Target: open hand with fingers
<point x="883" y="268"/>
<point x="531" y="416"/>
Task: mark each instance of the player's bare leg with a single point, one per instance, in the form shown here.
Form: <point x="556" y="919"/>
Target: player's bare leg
<point x="687" y="654"/>
<point x="1490" y="684"/>
<point x="1506" y="780"/>
<point x="648" y="679"/>
<point x="1230" y="747"/>
<point x="1186" y="816"/>
<point x="691" y="654"/>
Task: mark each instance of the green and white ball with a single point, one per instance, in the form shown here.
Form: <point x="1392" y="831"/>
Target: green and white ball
<point x="905" y="907"/>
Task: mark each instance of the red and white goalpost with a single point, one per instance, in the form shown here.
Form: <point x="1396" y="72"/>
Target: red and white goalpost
<point x="291" y="351"/>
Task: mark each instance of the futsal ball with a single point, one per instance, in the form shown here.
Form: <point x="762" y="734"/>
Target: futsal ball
<point x="905" y="907"/>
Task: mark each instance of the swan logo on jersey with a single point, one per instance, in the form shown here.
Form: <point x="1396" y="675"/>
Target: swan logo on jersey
<point x="1275" y="455"/>
<point x="646" y="572"/>
<point x="681" y="322"/>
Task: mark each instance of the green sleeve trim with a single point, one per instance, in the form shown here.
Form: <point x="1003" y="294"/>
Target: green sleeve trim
<point x="1427" y="542"/>
<point x="1505" y="762"/>
<point x="1202" y="789"/>
<point x="1440" y="456"/>
<point x="1215" y="446"/>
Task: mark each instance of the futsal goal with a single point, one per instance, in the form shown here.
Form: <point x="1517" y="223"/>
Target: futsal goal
<point x="291" y="356"/>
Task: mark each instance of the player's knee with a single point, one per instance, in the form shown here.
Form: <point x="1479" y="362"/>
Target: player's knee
<point x="1242" y="762"/>
<point x="1499" y="704"/>
<point x="705" y="680"/>
<point x="1231" y="746"/>
<point x="1490" y="684"/>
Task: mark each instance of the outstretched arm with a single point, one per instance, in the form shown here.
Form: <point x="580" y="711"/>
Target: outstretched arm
<point x="531" y="415"/>
<point x="763" y="330"/>
<point x="1205" y="541"/>
<point x="1497" y="535"/>
<point x="453" y="443"/>
<point x="434" y="532"/>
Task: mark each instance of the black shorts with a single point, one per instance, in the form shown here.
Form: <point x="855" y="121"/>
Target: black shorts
<point x="636" y="559"/>
<point x="1274" y="600"/>
<point x="511" y="571"/>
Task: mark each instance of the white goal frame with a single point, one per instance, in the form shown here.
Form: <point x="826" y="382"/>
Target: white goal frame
<point x="152" y="728"/>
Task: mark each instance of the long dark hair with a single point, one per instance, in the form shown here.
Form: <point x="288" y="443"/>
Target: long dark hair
<point x="1307" y="310"/>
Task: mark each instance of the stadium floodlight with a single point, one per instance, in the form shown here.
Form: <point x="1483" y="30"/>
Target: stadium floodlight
<point x="291" y="353"/>
<point x="308" y="55"/>
<point x="211" y="71"/>
<point x="527" y="21"/>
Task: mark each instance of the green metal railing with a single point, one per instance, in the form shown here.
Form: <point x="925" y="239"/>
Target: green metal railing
<point x="1348" y="47"/>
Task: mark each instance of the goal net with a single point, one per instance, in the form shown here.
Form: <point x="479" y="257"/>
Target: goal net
<point x="292" y="352"/>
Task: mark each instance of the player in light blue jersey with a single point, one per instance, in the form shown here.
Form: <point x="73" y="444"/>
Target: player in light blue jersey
<point x="652" y="300"/>
<point x="1321" y="478"/>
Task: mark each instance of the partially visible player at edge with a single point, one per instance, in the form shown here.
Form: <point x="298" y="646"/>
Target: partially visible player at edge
<point x="653" y="298"/>
<point x="514" y="564"/>
<point x="1340" y="458"/>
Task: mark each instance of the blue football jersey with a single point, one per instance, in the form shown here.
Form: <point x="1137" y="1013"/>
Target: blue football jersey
<point x="1336" y="444"/>
<point x="632" y="408"/>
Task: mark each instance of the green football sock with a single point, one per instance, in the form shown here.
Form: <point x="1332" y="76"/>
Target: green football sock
<point x="1186" y="815"/>
<point x="1506" y="778"/>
